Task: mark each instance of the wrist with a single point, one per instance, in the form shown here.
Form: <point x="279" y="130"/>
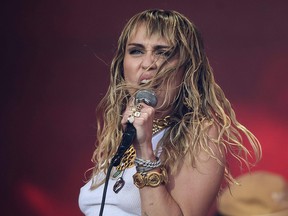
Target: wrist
<point x="145" y="152"/>
<point x="152" y="178"/>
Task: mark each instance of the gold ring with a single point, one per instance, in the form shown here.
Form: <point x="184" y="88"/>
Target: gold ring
<point x="137" y="114"/>
<point x="139" y="107"/>
<point x="130" y="119"/>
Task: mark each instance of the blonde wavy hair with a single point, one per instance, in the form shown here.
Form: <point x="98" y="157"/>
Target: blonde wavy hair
<point x="200" y="103"/>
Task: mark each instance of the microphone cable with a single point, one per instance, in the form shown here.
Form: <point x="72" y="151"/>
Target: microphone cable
<point x="127" y="139"/>
<point x="148" y="97"/>
<point x="105" y="189"/>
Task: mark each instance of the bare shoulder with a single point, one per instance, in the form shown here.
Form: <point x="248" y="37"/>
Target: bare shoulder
<point x="195" y="188"/>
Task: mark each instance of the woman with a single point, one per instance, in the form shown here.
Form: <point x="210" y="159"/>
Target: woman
<point x="178" y="158"/>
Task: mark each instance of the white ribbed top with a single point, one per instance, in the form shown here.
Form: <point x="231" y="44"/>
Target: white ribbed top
<point x="125" y="203"/>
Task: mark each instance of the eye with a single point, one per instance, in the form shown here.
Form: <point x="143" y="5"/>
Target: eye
<point x="135" y="51"/>
<point x="163" y="53"/>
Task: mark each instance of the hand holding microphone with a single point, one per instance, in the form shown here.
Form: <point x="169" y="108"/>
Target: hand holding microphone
<point x="142" y="96"/>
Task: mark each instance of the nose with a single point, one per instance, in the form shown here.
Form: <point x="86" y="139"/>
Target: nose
<point x="149" y="61"/>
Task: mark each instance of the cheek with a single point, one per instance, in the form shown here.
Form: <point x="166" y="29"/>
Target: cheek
<point x="176" y="78"/>
<point x="126" y="71"/>
<point x="169" y="91"/>
<point x="129" y="72"/>
<point x="174" y="86"/>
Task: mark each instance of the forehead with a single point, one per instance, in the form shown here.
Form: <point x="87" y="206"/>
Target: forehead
<point x="141" y="34"/>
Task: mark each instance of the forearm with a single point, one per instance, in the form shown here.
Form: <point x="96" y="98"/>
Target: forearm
<point x="157" y="201"/>
<point x="152" y="182"/>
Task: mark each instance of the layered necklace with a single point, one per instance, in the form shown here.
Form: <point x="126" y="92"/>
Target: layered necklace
<point x="129" y="156"/>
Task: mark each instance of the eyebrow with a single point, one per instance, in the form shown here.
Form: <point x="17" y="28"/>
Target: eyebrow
<point x="156" y="47"/>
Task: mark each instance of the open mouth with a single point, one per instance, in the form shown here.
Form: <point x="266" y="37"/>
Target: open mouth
<point x="145" y="81"/>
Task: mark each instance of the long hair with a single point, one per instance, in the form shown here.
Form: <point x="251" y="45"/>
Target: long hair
<point x="199" y="105"/>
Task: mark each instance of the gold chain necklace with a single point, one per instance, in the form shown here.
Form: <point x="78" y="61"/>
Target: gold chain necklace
<point x="129" y="156"/>
<point x="160" y="124"/>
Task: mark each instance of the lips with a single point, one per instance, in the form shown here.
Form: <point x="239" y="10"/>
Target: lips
<point x="145" y="78"/>
<point x="145" y="81"/>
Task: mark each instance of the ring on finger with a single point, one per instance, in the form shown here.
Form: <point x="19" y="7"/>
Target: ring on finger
<point x="139" y="107"/>
<point x="136" y="111"/>
<point x="130" y="119"/>
<point x="136" y="114"/>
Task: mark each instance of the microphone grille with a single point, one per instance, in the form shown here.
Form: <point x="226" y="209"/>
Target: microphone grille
<point x="146" y="96"/>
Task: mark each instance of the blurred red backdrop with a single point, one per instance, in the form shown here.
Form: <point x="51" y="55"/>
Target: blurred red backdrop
<point x="56" y="57"/>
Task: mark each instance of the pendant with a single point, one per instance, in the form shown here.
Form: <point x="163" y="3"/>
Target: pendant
<point x="118" y="185"/>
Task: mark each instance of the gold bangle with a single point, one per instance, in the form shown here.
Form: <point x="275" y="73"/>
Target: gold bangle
<point x="152" y="179"/>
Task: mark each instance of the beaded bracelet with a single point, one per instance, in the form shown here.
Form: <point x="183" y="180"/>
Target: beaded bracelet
<point x="147" y="163"/>
<point x="142" y="169"/>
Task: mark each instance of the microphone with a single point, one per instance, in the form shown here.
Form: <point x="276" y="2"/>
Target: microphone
<point x="148" y="97"/>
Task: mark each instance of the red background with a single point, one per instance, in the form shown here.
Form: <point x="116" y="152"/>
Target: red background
<point x="54" y="70"/>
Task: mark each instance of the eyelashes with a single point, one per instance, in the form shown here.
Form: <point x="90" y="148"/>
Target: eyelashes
<point x="164" y="53"/>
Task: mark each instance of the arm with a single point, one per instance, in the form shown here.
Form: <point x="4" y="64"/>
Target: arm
<point x="195" y="189"/>
<point x="191" y="191"/>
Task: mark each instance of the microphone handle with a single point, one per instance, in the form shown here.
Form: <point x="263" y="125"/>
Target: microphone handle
<point x="127" y="139"/>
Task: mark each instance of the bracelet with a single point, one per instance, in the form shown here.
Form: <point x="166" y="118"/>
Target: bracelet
<point x="147" y="163"/>
<point x="152" y="179"/>
<point x="142" y="169"/>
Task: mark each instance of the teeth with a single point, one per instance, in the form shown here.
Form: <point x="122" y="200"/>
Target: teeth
<point x="145" y="81"/>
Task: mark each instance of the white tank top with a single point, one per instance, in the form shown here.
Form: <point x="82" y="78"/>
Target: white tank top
<point x="124" y="203"/>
